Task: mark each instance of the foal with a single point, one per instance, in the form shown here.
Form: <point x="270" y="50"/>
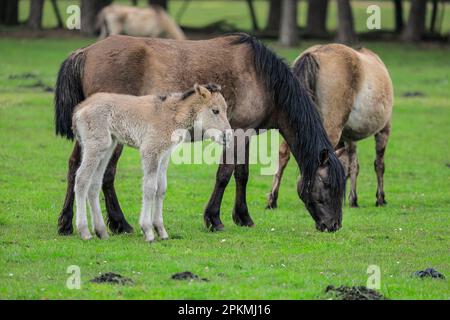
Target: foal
<point x="149" y="123"/>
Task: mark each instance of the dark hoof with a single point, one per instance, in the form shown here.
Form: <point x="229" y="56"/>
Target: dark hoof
<point x="353" y="204"/>
<point x="271" y="205"/>
<point x="118" y="227"/>
<point x="213" y="224"/>
<point x="65" y="227"/>
<point x="243" y="220"/>
<point x="381" y="203"/>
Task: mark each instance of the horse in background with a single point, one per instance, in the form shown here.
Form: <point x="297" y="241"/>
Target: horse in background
<point x="353" y="92"/>
<point x="151" y="22"/>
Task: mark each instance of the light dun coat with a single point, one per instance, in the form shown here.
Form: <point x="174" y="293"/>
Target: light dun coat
<point x="354" y="95"/>
<point x="149" y="123"/>
<point x="151" y="22"/>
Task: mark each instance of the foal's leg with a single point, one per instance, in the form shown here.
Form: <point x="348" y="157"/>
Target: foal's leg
<point x="211" y="215"/>
<point x="150" y="184"/>
<point x="353" y="172"/>
<point x="381" y="140"/>
<point x="94" y="195"/>
<point x="284" y="156"/>
<point x="240" y="212"/>
<point x="85" y="172"/>
<point x="158" y="222"/>
<point x="65" y="226"/>
<point x="116" y="219"/>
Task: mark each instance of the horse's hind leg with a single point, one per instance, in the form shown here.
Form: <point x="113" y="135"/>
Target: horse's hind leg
<point x="65" y="226"/>
<point x="353" y="172"/>
<point x="381" y="140"/>
<point x="85" y="173"/>
<point x="94" y="195"/>
<point x="284" y="156"/>
<point x="116" y="219"/>
<point x="158" y="222"/>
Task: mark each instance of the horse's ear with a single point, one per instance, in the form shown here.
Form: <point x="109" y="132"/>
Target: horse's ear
<point x="202" y="91"/>
<point x="323" y="157"/>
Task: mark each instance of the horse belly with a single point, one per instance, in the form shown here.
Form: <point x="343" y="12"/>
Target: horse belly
<point x="370" y="113"/>
<point x="140" y="27"/>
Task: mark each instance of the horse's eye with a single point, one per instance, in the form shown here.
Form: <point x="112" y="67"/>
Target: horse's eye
<point x="215" y="111"/>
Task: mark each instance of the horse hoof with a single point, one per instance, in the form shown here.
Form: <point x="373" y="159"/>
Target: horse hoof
<point x="354" y="205"/>
<point x="86" y="236"/>
<point x="271" y="205"/>
<point x="218" y="227"/>
<point x="65" y="230"/>
<point x="380" y="203"/>
<point x="102" y="234"/>
<point x="243" y="222"/>
<point x="119" y="227"/>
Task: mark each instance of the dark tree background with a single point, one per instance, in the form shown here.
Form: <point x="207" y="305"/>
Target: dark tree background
<point x="89" y="11"/>
<point x="317" y="18"/>
<point x="9" y="12"/>
<point x="35" y="17"/>
<point x="415" y="27"/>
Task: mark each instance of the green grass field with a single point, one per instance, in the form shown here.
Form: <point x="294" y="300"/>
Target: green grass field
<point x="282" y="257"/>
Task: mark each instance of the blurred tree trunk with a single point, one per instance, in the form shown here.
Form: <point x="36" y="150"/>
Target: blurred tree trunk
<point x="89" y="11"/>
<point x="288" y="28"/>
<point x="317" y="17"/>
<point x="398" y="4"/>
<point x="134" y="2"/>
<point x="57" y="14"/>
<point x="346" y="28"/>
<point x="434" y="16"/>
<point x="35" y="16"/>
<point x="161" y="3"/>
<point x="9" y="12"/>
<point x="416" y="22"/>
<point x="274" y="17"/>
<point x="251" y="8"/>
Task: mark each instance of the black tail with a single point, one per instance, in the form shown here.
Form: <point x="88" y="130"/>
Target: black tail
<point x="292" y="95"/>
<point x="305" y="70"/>
<point x="68" y="93"/>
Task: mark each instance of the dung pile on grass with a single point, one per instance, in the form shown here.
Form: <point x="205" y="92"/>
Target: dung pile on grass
<point x="187" y="275"/>
<point x="354" y="293"/>
<point x="113" y="278"/>
<point x="429" y="273"/>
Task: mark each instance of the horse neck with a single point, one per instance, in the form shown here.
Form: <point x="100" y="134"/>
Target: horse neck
<point x="171" y="27"/>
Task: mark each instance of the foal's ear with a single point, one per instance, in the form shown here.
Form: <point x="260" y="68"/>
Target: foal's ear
<point x="323" y="157"/>
<point x="202" y="91"/>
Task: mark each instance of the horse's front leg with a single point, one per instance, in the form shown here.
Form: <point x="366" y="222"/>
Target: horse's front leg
<point x="240" y="211"/>
<point x="116" y="219"/>
<point x="212" y="212"/>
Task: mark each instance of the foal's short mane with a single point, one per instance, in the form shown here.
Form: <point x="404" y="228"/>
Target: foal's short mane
<point x="212" y="87"/>
<point x="291" y="94"/>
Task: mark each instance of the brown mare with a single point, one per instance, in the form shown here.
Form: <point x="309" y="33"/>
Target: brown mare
<point x="353" y="92"/>
<point x="261" y="93"/>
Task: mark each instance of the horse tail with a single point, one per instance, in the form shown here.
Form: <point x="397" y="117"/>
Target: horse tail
<point x="68" y="92"/>
<point x="171" y="28"/>
<point x="305" y="69"/>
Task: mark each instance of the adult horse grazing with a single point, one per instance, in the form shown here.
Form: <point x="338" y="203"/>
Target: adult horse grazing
<point x="353" y="92"/>
<point x="153" y="124"/>
<point x="261" y="93"/>
<point x="142" y="22"/>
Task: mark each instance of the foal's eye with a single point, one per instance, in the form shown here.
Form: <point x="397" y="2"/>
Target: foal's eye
<point x="215" y="111"/>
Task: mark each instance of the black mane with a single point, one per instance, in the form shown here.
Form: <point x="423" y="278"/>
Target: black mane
<point x="291" y="94"/>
